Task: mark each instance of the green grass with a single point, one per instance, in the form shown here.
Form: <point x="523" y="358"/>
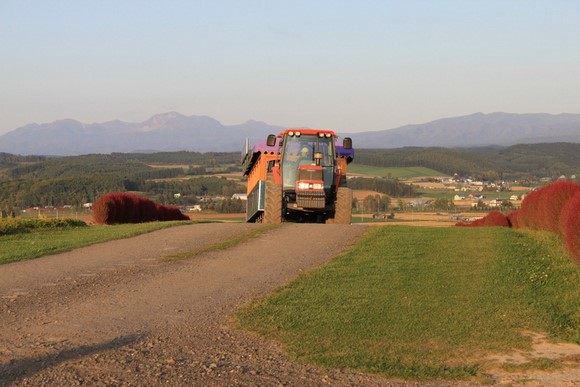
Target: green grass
<point x="401" y="173"/>
<point x="424" y="303"/>
<point x="44" y="241"/>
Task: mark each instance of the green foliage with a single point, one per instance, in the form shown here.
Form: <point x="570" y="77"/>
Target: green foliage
<point x="391" y="187"/>
<point x="31" y="182"/>
<point x="18" y="226"/>
<point x="486" y="163"/>
<point x="411" y="302"/>
<point x="448" y="161"/>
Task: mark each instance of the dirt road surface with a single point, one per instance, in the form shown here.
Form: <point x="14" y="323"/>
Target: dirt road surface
<point x="120" y="314"/>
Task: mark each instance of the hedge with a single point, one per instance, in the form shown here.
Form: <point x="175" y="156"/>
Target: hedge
<point x="123" y="207"/>
<point x="554" y="208"/>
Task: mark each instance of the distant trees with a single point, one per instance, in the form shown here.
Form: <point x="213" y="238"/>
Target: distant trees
<point x="373" y="203"/>
<point x="524" y="161"/>
<point x="39" y="181"/>
<point x="391" y="187"/>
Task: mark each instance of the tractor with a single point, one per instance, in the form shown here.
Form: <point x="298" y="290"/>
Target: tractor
<point x="298" y="175"/>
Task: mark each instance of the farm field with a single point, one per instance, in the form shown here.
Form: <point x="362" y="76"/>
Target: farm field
<point x="422" y="304"/>
<point x="446" y="283"/>
<point x="393" y="172"/>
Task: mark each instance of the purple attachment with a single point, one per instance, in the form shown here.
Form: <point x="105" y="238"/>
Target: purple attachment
<point x="347" y="153"/>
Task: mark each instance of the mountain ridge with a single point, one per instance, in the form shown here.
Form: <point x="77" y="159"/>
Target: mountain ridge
<point x="173" y="131"/>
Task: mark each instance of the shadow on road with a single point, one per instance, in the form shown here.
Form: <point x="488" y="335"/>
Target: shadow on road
<point x="17" y="369"/>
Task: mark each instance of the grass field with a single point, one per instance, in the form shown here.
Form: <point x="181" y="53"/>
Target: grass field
<point x="41" y="242"/>
<point x="401" y="173"/>
<point x="425" y="303"/>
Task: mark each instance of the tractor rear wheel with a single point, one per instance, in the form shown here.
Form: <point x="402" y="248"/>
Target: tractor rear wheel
<point x="273" y="204"/>
<point x="343" y="206"/>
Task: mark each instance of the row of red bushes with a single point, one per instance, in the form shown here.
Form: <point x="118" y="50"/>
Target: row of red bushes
<point x="555" y="208"/>
<point x="125" y="207"/>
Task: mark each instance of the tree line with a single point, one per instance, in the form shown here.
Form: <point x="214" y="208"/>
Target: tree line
<point x="30" y="181"/>
<point x="523" y="161"/>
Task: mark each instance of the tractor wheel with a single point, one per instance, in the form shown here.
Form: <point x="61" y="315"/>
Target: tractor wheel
<point x="343" y="206"/>
<point x="273" y="205"/>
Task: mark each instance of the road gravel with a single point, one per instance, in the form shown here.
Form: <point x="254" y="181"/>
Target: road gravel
<point x="119" y="313"/>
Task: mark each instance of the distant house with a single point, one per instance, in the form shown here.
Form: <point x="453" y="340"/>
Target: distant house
<point x="241" y="196"/>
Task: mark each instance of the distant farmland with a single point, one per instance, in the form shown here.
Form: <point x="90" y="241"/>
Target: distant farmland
<point x="394" y="172"/>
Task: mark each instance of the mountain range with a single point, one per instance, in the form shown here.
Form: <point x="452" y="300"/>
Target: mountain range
<point x="173" y="132"/>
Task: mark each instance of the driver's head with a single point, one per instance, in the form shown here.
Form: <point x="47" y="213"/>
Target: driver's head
<point x="304" y="152"/>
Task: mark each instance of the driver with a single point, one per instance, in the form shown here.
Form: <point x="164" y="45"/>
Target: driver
<point x="305" y="156"/>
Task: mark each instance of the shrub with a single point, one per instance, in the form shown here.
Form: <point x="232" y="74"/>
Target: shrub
<point x="528" y="215"/>
<point x="19" y="226"/>
<point x="513" y="219"/>
<point x="104" y="209"/>
<point x="553" y="199"/>
<point x="123" y="207"/>
<point x="570" y="225"/>
<point x="493" y="219"/>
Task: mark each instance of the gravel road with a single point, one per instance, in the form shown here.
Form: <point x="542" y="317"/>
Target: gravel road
<point x="117" y="313"/>
<point x="120" y="314"/>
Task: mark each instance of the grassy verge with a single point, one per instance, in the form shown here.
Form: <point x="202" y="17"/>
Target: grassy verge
<point x="225" y="244"/>
<point x="424" y="303"/>
<point x="33" y="243"/>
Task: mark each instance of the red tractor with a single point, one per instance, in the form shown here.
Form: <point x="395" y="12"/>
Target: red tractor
<point x="299" y="175"/>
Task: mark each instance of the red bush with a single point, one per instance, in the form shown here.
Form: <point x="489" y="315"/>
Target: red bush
<point x="513" y="219"/>
<point x="125" y="207"/>
<point x="104" y="209"/>
<point x="529" y="211"/>
<point x="570" y="226"/>
<point x="553" y="199"/>
<point x="494" y="218"/>
<point x="554" y="208"/>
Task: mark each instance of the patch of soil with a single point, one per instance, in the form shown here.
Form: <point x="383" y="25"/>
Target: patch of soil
<point x="542" y="349"/>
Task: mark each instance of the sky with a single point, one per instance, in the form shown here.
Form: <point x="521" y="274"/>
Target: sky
<point x="350" y="66"/>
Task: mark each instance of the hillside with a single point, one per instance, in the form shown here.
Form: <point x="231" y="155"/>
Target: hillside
<point x="27" y="181"/>
<point x="163" y="132"/>
<point x="175" y="132"/>
<point x="478" y="130"/>
<point x="519" y="161"/>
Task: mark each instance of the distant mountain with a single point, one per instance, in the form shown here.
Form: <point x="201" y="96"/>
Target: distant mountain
<point x="173" y="131"/>
<point x="477" y="130"/>
<point x="163" y="132"/>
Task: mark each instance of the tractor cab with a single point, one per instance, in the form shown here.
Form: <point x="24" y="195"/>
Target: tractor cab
<point x="307" y="155"/>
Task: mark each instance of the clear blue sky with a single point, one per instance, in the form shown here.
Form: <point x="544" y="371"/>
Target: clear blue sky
<point x="346" y="65"/>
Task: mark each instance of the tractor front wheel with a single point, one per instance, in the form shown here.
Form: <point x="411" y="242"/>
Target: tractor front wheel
<point x="273" y="204"/>
<point x="343" y="206"/>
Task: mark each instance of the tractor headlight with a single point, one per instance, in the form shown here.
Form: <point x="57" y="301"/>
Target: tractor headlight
<point x="306" y="185"/>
